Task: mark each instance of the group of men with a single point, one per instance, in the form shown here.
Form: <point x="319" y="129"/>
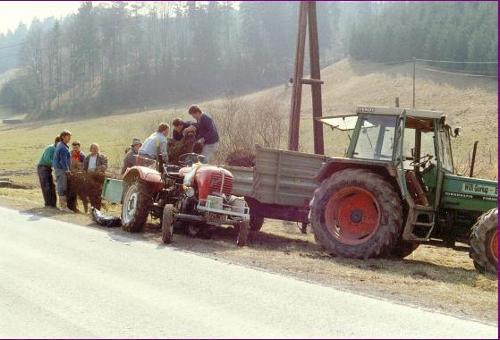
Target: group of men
<point x="64" y="161"/>
<point x="203" y="127"/>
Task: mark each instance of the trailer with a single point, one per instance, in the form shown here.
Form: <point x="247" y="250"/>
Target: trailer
<point x="279" y="186"/>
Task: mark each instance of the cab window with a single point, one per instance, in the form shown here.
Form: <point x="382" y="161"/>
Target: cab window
<point x="376" y="138"/>
<point x="445" y="150"/>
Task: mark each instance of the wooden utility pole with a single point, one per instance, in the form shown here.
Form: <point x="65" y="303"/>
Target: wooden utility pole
<point x="307" y="12"/>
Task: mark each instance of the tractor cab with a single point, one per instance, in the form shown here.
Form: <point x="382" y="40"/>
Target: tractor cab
<point x="406" y="141"/>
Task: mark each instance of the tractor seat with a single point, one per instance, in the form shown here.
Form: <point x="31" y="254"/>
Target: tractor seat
<point x="173" y="172"/>
<point x="415" y="188"/>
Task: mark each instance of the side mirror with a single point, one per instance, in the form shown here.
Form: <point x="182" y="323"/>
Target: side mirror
<point x="456" y="132"/>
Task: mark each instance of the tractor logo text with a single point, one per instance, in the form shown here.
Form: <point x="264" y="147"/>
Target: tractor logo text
<point x="480" y="189"/>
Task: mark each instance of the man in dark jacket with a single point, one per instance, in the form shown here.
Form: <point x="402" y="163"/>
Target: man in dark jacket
<point x="95" y="164"/>
<point x="131" y="156"/>
<point x="206" y="132"/>
<point x="61" y="165"/>
<point x="179" y="127"/>
<point x="44" y="170"/>
<point x="95" y="161"/>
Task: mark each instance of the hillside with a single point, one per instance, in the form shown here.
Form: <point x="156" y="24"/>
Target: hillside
<point x="470" y="102"/>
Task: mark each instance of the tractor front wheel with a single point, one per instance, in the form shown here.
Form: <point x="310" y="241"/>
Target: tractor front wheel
<point x="167" y="224"/>
<point x="135" y="208"/>
<point x="484" y="242"/>
<point x="356" y="214"/>
<point x="243" y="231"/>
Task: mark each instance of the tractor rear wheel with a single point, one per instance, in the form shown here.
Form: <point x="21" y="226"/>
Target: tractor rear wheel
<point x="484" y="242"/>
<point x="167" y="224"/>
<point x="135" y="208"/>
<point x="356" y="214"/>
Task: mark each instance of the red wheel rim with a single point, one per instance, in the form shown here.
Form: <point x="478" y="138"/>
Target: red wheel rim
<point x="352" y="215"/>
<point x="494" y="245"/>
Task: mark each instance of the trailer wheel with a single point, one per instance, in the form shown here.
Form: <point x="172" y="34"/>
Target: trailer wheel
<point x="403" y="249"/>
<point x="356" y="214"/>
<point x="135" y="208"/>
<point x="192" y="230"/>
<point x="484" y="242"/>
<point x="167" y="224"/>
<point x="243" y="230"/>
<point x="256" y="221"/>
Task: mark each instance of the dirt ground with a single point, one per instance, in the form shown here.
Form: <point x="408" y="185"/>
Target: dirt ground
<point x="432" y="278"/>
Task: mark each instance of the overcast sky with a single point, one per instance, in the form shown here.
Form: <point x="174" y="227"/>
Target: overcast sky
<point x="13" y="12"/>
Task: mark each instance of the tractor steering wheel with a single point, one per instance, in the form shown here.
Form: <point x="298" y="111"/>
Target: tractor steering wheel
<point x="423" y="162"/>
<point x="189" y="159"/>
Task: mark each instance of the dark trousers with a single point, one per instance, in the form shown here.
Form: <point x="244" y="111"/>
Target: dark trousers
<point x="71" y="197"/>
<point x="47" y="185"/>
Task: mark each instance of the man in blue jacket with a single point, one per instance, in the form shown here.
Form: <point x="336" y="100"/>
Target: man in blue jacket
<point x="61" y="164"/>
<point x="206" y="132"/>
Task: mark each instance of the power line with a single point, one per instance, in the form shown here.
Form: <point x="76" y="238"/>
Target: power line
<point x="458" y="73"/>
<point x="458" y="62"/>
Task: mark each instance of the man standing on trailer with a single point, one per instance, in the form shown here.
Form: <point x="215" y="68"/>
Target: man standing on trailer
<point x="206" y="132"/>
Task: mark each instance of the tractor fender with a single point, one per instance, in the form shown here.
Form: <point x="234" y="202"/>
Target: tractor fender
<point x="336" y="164"/>
<point x="149" y="176"/>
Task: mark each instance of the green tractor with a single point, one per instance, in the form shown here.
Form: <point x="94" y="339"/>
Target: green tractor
<point x="397" y="188"/>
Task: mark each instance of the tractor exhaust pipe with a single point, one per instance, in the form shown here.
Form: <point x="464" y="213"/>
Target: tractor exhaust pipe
<point x="190" y="218"/>
<point x="473" y="160"/>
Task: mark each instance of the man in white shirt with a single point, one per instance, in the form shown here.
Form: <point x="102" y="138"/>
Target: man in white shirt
<point x="95" y="161"/>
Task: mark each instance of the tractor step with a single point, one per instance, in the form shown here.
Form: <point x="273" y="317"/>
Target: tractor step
<point x="421" y="224"/>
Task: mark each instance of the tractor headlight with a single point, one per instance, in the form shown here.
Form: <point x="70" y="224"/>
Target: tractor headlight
<point x="190" y="192"/>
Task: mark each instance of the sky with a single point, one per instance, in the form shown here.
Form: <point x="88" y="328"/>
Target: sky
<point x="13" y="12"/>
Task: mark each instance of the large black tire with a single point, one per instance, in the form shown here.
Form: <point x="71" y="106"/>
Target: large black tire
<point x="256" y="221"/>
<point x="484" y="242"/>
<point x="403" y="249"/>
<point x="135" y="213"/>
<point x="388" y="207"/>
<point x="167" y="224"/>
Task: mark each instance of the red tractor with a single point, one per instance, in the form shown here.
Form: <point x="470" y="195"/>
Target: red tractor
<point x="195" y="197"/>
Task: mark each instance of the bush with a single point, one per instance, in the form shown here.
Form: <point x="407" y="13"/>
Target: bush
<point x="244" y="123"/>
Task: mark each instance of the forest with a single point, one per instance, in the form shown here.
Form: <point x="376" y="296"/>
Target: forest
<point x="138" y="55"/>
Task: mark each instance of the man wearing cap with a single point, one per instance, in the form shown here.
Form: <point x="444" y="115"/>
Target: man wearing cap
<point x="61" y="165"/>
<point x="130" y="158"/>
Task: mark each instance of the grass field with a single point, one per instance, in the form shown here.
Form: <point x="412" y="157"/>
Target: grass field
<point x="469" y="103"/>
<point x="436" y="278"/>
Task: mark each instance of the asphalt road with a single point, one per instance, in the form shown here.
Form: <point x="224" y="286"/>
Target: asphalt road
<point x="63" y="280"/>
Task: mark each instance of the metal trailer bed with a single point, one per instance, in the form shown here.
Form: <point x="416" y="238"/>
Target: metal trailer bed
<point x="280" y="185"/>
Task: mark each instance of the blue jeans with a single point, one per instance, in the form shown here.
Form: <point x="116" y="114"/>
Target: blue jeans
<point x="61" y="182"/>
